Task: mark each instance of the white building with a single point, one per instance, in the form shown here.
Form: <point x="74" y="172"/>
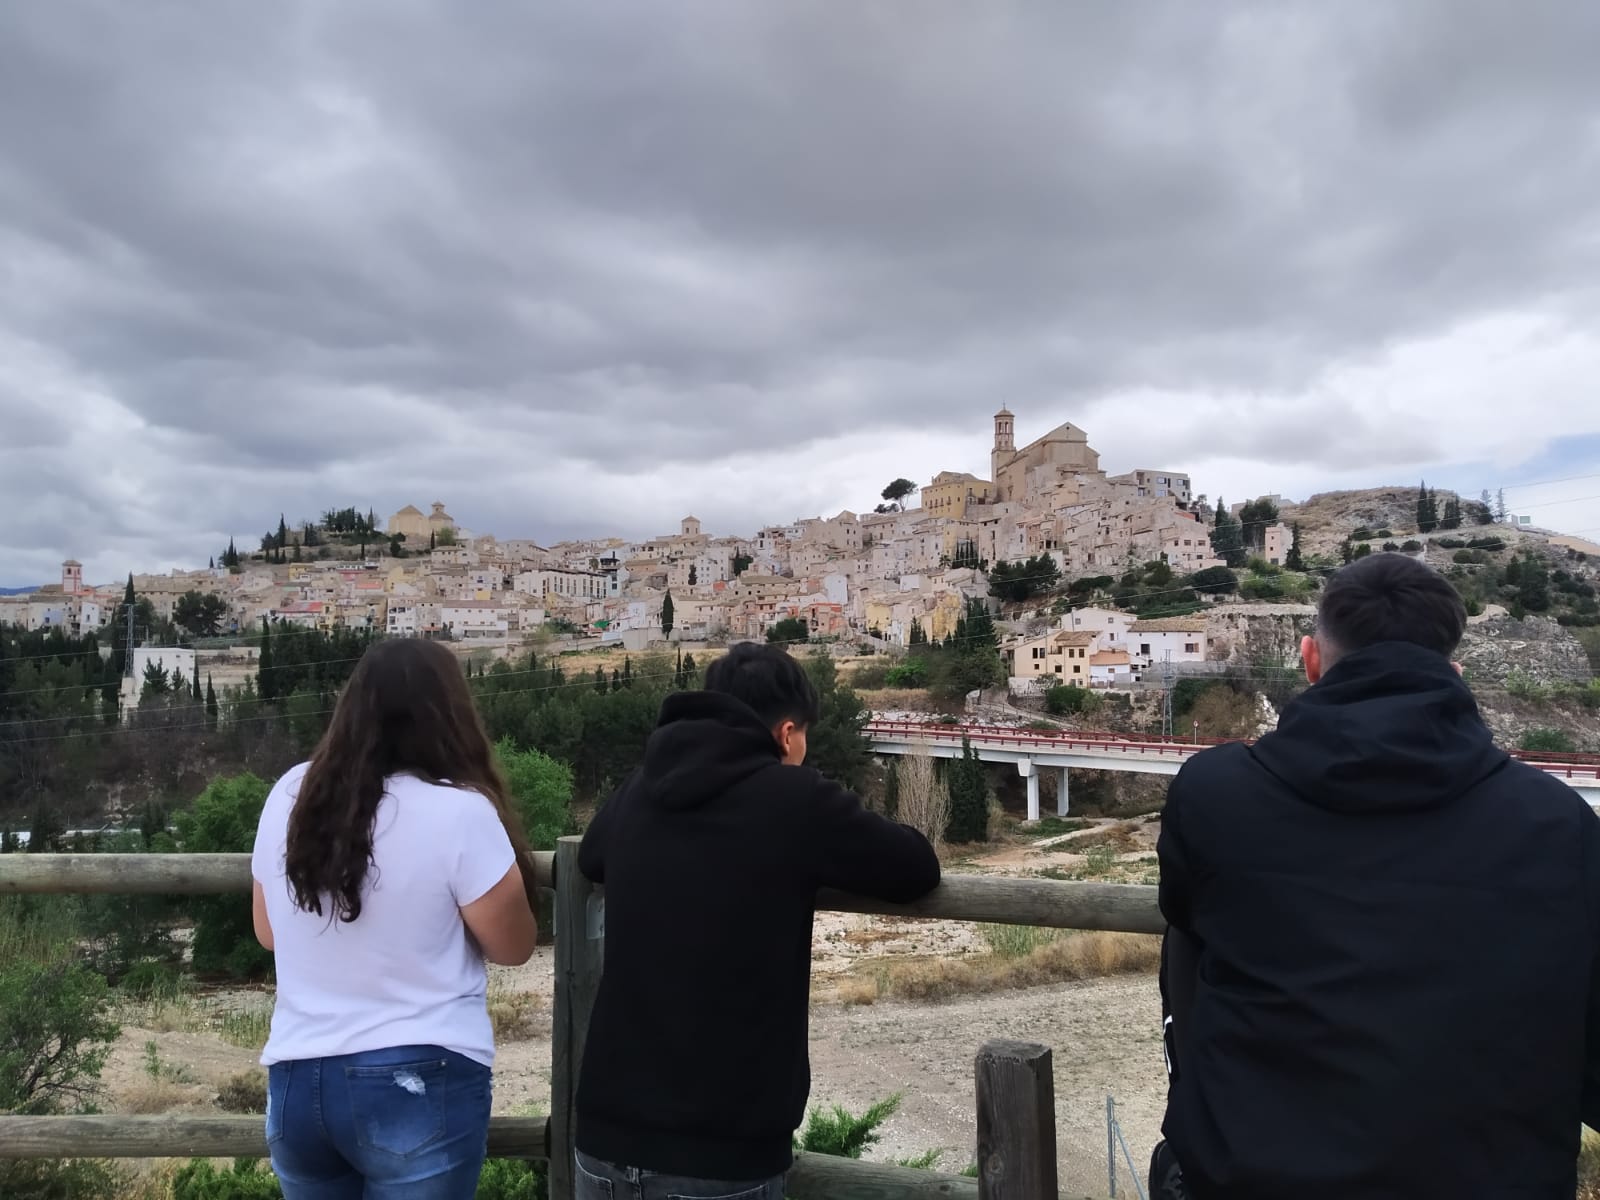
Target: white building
<point x="1152" y="642"/>
<point x="1110" y="624"/>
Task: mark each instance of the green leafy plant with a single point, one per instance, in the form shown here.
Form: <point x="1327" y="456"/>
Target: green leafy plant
<point x="843" y="1134"/>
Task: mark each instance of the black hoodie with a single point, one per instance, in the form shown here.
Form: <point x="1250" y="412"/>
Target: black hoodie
<point x="711" y="856"/>
<point x="1396" y="932"/>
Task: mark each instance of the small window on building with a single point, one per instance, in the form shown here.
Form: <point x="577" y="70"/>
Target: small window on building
<point x="1144" y="648"/>
<point x="1191" y="647"/>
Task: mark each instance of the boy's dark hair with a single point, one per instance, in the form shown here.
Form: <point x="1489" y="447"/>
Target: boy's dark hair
<point x="1390" y="598"/>
<point x="767" y="679"/>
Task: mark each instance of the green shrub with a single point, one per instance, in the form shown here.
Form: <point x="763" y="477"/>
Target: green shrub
<point x="1064" y="699"/>
<point x="1259" y="587"/>
<point x="1449" y="543"/>
<point x="245" y="1180"/>
<point x="843" y="1134"/>
<point x="513" y="1179"/>
<point x="1550" y="741"/>
<point x="913" y="673"/>
<point x="223" y="819"/>
<point x="56" y="1035"/>
<point x="1411" y="546"/>
<point x="71" y="1179"/>
<point x="541" y="788"/>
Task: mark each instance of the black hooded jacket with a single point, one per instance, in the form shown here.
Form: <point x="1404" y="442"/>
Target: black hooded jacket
<point x="1396" y="929"/>
<point x="711" y="856"/>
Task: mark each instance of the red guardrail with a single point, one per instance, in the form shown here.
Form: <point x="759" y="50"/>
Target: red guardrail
<point x="1566" y="766"/>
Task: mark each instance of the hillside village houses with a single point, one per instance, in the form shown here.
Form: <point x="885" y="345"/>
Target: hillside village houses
<point x="867" y="576"/>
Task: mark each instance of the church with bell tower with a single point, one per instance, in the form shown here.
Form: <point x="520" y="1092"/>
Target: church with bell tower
<point x="1062" y="452"/>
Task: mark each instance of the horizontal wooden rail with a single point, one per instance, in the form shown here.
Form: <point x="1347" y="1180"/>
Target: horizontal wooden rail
<point x="1127" y="908"/>
<point x="1055" y="904"/>
<point x="814" y="1177"/>
<point x="148" y="874"/>
<point x="824" y="1177"/>
<point x="202" y="1137"/>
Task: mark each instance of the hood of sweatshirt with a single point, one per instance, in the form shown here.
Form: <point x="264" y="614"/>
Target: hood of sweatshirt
<point x="704" y="743"/>
<point x="1391" y="727"/>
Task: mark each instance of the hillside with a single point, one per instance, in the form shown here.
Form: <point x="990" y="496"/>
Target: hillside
<point x="1327" y="518"/>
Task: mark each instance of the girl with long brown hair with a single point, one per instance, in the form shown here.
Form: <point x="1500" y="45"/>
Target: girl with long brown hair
<point x="387" y="869"/>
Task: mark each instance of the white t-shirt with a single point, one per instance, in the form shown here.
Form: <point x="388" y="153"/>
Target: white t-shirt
<point x="404" y="972"/>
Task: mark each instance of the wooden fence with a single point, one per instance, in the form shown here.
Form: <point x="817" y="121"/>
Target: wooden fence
<point x="1015" y="1093"/>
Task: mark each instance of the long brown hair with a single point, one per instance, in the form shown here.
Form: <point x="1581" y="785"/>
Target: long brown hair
<point x="406" y="708"/>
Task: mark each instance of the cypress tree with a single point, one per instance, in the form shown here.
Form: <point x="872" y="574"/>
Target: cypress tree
<point x="1294" y="560"/>
<point x="667" y="616"/>
<point x="969" y="797"/>
<point x="266" y="679"/>
<point x="212" y="710"/>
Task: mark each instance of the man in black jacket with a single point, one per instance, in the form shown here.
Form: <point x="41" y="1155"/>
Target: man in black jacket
<point x="696" y="1071"/>
<point x="1395" y="931"/>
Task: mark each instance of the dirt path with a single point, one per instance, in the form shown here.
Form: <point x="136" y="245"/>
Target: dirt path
<point x="1105" y="1035"/>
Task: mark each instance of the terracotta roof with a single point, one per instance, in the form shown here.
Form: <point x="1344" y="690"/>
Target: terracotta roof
<point x="1109" y="658"/>
<point x="1170" y="625"/>
<point x="1074" y="637"/>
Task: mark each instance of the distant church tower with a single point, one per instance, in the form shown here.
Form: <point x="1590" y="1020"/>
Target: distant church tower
<point x="72" y="577"/>
<point x="1005" y="444"/>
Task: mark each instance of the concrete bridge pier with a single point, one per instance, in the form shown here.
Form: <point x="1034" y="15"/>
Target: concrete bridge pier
<point x="1061" y="794"/>
<point x="1025" y="769"/>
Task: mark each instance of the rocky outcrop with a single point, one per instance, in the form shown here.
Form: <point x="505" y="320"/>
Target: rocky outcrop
<point x="1496" y="650"/>
<point x="1258" y="634"/>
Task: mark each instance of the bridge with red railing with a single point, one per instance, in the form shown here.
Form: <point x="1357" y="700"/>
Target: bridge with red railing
<point x="1033" y="750"/>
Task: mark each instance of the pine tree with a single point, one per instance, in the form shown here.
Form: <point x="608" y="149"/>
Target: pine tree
<point x="283" y="532"/>
<point x="1427" y="509"/>
<point x="433" y="539"/>
<point x="211" y="564"/>
<point x="667" y="616"/>
<point x="1500" y="510"/>
<point x="212" y="709"/>
<point x="1294" y="560"/>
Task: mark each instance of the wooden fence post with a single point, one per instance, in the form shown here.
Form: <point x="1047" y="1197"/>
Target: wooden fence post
<point x="580" y="952"/>
<point x="1016" y="1122"/>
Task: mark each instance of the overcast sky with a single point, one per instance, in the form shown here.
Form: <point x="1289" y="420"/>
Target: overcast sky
<point x="579" y="269"/>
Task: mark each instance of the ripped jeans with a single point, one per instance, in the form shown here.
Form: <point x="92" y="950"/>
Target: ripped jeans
<point x="406" y="1123"/>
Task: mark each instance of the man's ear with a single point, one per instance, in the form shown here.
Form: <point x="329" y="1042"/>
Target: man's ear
<point x="783" y="734"/>
<point x="1311" y="657"/>
<point x="1459" y="670"/>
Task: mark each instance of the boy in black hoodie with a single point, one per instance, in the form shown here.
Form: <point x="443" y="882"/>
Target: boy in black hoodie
<point x="711" y="856"/>
<point x="1395" y="932"/>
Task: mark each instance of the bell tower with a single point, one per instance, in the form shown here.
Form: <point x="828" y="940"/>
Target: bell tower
<point x="1005" y="446"/>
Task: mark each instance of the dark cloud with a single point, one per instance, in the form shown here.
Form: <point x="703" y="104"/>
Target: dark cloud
<point x="560" y="261"/>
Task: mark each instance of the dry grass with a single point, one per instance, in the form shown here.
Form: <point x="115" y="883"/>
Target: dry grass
<point x="518" y="1016"/>
<point x="245" y="1092"/>
<point x="1120" y="839"/>
<point x="151" y="1097"/>
<point x="1589" y="1167"/>
<point x="246" y="1028"/>
<point x="1021" y="958"/>
<point x="909" y="700"/>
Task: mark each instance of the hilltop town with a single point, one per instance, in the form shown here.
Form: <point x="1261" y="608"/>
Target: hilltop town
<point x="1134" y="561"/>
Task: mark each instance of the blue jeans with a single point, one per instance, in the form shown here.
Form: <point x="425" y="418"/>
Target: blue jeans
<point x="406" y="1123"/>
<point x="595" y="1180"/>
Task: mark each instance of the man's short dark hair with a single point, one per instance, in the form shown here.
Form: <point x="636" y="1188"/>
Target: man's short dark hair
<point x="1390" y="598"/>
<point x="767" y="679"/>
